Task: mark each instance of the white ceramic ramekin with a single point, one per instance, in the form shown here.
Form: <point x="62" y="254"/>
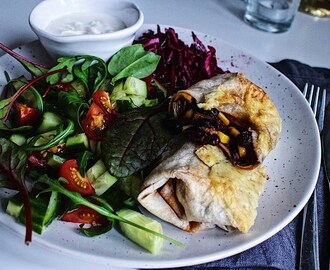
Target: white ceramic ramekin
<point x="101" y="45"/>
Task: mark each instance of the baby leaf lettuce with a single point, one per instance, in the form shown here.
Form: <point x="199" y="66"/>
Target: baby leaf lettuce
<point x="12" y="162"/>
<point x="132" y="61"/>
<point x="134" y="140"/>
<point x="90" y="70"/>
<point x="73" y="105"/>
<point x="31" y="97"/>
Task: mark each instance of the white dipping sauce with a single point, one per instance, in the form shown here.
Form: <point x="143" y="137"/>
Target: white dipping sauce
<point x="84" y="24"/>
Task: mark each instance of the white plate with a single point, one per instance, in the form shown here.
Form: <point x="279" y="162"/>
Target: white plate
<point x="292" y="167"/>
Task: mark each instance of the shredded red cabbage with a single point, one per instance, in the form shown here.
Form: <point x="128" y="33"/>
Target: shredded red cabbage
<point x="180" y="65"/>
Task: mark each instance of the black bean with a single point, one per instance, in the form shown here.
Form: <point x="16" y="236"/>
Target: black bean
<point x="200" y="136"/>
<point x="244" y="138"/>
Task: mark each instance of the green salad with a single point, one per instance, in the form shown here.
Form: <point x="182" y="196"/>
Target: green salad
<point x="78" y="138"/>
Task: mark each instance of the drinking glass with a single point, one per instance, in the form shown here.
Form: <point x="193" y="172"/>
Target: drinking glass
<point x="274" y="16"/>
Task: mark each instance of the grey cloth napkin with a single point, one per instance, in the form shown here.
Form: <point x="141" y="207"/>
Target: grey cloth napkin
<point x="281" y="251"/>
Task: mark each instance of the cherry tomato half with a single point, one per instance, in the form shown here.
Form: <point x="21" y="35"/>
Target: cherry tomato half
<point x="99" y="116"/>
<point x="85" y="215"/>
<point x="70" y="171"/>
<point x="25" y="115"/>
<point x="102" y="99"/>
<point x="95" y="123"/>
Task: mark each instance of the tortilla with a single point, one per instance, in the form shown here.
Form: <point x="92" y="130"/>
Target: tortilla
<point x="203" y="189"/>
<point x="236" y="95"/>
<point x="199" y="186"/>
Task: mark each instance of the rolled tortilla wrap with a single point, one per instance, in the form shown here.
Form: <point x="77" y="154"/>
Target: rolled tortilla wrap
<point x="198" y="188"/>
<point x="236" y="95"/>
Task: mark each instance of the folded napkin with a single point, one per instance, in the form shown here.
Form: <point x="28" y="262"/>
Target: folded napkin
<point x="281" y="251"/>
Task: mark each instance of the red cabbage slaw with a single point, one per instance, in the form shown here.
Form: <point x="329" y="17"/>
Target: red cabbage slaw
<point x="180" y="65"/>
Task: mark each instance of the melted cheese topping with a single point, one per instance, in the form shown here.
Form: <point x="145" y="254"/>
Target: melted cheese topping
<point x="238" y="96"/>
<point x="238" y="189"/>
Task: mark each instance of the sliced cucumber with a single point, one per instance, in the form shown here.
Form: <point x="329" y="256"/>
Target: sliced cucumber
<point x="100" y="178"/>
<point x="43" y="210"/>
<point x="53" y="205"/>
<point x="145" y="239"/>
<point x="136" y="87"/>
<point x="18" y="139"/>
<point x="44" y="138"/>
<point x="14" y="206"/>
<point x="96" y="170"/>
<point x="77" y="143"/>
<point x="129" y="102"/>
<point x="49" y="122"/>
<point x="131" y="94"/>
<point x="103" y="183"/>
<point x="55" y="161"/>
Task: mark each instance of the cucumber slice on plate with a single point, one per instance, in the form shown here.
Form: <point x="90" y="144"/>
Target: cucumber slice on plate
<point x="77" y="143"/>
<point x="100" y="178"/>
<point x="147" y="240"/>
<point x="18" y="139"/>
<point x="129" y="102"/>
<point x="49" y="122"/>
<point x="14" y="206"/>
<point x="43" y="209"/>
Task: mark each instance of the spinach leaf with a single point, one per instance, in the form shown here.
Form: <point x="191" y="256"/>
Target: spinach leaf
<point x="31" y="96"/>
<point x="95" y="70"/>
<point x="134" y="140"/>
<point x="65" y="77"/>
<point x="4" y="104"/>
<point x="132" y="61"/>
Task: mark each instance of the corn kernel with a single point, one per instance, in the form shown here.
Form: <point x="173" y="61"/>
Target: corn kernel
<point x="224" y="119"/>
<point x="241" y="151"/>
<point x="233" y="131"/>
<point x="223" y="137"/>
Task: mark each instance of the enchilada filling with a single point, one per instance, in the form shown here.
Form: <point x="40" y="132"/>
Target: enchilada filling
<point x="233" y="136"/>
